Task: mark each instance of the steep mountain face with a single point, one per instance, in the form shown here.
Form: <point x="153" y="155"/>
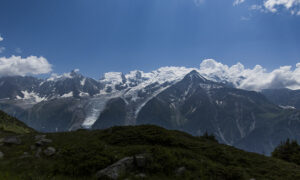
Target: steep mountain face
<point x="286" y="98"/>
<point x="33" y="90"/>
<point x="12" y="87"/>
<point x="197" y="105"/>
<point x="71" y="85"/>
<point x="245" y="119"/>
<point x="53" y="104"/>
<point x="72" y="101"/>
<point x="265" y="138"/>
<point x="61" y="114"/>
<point x="113" y="115"/>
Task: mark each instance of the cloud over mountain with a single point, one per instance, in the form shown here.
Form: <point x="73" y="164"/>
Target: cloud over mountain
<point x="257" y="78"/>
<point x="16" y="65"/>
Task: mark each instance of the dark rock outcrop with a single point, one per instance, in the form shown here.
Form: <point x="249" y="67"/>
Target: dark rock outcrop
<point x="12" y="140"/>
<point x="124" y="165"/>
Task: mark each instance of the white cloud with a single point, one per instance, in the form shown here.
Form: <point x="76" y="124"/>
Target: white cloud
<point x="2" y="49"/>
<point x="1" y="38"/>
<point x="256" y="79"/>
<point x="272" y="5"/>
<point x="16" y="65"/>
<point x="237" y="2"/>
<point x="76" y="70"/>
<point x="243" y="18"/>
<point x="256" y="7"/>
<point x="293" y="6"/>
<point x="199" y="2"/>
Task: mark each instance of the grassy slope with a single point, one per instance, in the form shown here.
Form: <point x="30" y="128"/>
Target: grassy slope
<point x="82" y="153"/>
<point x="10" y="124"/>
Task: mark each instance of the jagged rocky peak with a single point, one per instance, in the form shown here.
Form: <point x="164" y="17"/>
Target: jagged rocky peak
<point x="73" y="74"/>
<point x="135" y="75"/>
<point x="194" y="75"/>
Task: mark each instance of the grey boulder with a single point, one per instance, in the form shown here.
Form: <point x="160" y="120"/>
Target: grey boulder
<point x="50" y="151"/>
<point x="126" y="164"/>
<point x="12" y="140"/>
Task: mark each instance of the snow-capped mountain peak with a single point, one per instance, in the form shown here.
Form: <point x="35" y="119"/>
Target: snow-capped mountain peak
<point x="113" y="78"/>
<point x="74" y="73"/>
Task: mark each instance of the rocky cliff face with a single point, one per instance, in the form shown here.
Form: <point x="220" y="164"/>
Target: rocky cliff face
<point x="286" y="98"/>
<point x="245" y="119"/>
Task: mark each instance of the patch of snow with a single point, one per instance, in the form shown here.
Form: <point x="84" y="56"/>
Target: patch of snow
<point x="56" y="77"/>
<point x="70" y="94"/>
<point x="82" y="82"/>
<point x="194" y="109"/>
<point x="252" y="127"/>
<point x="287" y="107"/>
<point x="219" y="102"/>
<point x="82" y="94"/>
<point x="4" y="99"/>
<point x="112" y="78"/>
<point x="96" y="106"/>
<point x="210" y="86"/>
<point x="31" y="96"/>
<point x="135" y="76"/>
<point x="222" y="137"/>
<point x="148" y="99"/>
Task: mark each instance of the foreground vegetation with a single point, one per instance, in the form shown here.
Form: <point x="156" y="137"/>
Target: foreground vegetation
<point x="288" y="151"/>
<point x="80" y="154"/>
<point x="12" y="125"/>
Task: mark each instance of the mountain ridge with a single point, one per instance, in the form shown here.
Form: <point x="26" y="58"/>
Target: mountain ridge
<point x="158" y="154"/>
<point x="167" y="97"/>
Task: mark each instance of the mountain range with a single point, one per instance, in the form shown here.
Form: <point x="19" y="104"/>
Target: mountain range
<point x="171" y="97"/>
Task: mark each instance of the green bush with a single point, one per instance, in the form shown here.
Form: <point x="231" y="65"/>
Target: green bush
<point x="288" y="151"/>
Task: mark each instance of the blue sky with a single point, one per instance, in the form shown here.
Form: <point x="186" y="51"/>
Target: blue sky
<point x="98" y="36"/>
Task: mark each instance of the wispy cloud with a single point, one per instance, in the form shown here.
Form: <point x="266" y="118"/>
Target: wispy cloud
<point x="1" y="38"/>
<point x="199" y="2"/>
<point x="274" y="6"/>
<point x="16" y="65"/>
<point x="243" y="18"/>
<point x="2" y="49"/>
<point x="237" y="2"/>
